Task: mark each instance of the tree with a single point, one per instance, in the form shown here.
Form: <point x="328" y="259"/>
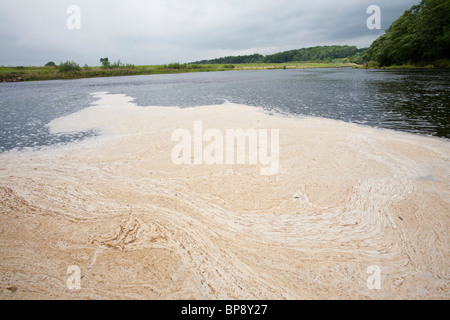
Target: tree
<point x="105" y="63"/>
<point x="420" y="36"/>
<point x="320" y="54"/>
<point x="323" y="53"/>
<point x="50" y="64"/>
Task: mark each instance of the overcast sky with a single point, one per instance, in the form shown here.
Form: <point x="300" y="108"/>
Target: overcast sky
<point x="144" y="32"/>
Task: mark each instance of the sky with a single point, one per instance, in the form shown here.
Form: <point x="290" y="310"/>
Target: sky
<point x="149" y="32"/>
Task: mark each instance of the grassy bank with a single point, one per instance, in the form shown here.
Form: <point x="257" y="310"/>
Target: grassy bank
<point x="438" y="64"/>
<point x="9" y="74"/>
<point x="14" y="74"/>
<point x="292" y="65"/>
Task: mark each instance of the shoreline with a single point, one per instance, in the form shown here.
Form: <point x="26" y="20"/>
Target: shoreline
<point x="48" y="73"/>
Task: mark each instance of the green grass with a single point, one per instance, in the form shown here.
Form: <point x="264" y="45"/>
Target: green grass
<point x="444" y="64"/>
<point x="52" y="73"/>
<point x="399" y="67"/>
<point x="292" y="65"/>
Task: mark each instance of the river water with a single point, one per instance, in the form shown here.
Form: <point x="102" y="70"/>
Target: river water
<point x="414" y="101"/>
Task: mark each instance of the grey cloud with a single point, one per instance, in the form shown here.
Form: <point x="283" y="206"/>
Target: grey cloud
<point x="155" y="32"/>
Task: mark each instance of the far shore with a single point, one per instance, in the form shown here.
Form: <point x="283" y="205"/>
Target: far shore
<point x="18" y="74"/>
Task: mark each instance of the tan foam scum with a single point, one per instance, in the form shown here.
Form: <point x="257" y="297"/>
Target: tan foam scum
<point x="346" y="198"/>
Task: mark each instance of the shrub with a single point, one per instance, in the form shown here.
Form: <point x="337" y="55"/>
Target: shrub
<point x="175" y="65"/>
<point x="373" y="64"/>
<point x="117" y="64"/>
<point x="68" y="66"/>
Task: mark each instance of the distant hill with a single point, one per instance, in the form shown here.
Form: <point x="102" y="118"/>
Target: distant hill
<point x="420" y="36"/>
<point x="313" y="54"/>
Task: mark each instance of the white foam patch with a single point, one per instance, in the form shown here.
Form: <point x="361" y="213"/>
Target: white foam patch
<point x="116" y="115"/>
<point x="110" y="114"/>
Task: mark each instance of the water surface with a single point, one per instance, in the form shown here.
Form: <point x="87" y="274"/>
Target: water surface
<point x="414" y="101"/>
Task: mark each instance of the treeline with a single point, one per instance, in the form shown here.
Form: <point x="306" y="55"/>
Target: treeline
<point x="254" y="58"/>
<point x="321" y="53"/>
<point x="313" y="54"/>
<point x="420" y="36"/>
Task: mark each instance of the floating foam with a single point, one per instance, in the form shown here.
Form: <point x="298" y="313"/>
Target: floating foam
<point x="346" y="197"/>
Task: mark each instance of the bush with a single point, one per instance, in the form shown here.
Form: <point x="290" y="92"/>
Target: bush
<point x="175" y="65"/>
<point x="373" y="64"/>
<point x="116" y="65"/>
<point x="68" y="66"/>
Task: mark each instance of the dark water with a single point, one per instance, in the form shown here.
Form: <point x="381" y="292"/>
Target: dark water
<point x="415" y="101"/>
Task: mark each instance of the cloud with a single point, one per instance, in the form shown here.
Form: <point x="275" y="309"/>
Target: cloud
<point x="156" y="32"/>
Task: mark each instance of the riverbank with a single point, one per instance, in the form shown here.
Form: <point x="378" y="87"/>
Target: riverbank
<point x="438" y="64"/>
<point x="17" y="74"/>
